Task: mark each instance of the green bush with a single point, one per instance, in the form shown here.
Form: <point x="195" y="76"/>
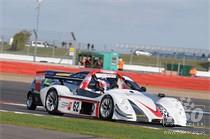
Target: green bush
<point x="20" y="39"/>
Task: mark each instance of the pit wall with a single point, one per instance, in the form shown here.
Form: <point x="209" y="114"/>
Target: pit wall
<point x="146" y="79"/>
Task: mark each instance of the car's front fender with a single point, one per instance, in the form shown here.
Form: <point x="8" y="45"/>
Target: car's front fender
<point x="175" y="110"/>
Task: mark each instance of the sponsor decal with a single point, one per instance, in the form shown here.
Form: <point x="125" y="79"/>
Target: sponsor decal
<point x="69" y="106"/>
<point x="63" y="74"/>
<point x="104" y="75"/>
<point x="64" y="104"/>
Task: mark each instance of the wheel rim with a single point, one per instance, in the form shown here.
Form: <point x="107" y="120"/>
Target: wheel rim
<point x="29" y="100"/>
<point x="51" y="101"/>
<point x="106" y="107"/>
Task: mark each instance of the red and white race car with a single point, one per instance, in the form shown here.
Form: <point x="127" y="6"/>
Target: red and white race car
<point x="103" y="94"/>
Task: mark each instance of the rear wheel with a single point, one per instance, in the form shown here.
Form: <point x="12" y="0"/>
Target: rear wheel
<point x="106" y="108"/>
<point x="30" y="102"/>
<point x="51" y="102"/>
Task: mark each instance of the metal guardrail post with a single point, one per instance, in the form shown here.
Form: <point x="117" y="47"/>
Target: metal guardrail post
<point x="66" y="53"/>
<point x="35" y="48"/>
<point x="183" y="61"/>
<point x="179" y="69"/>
<point x="53" y="52"/>
<point x="37" y="28"/>
<point x="131" y="59"/>
<point x="2" y="44"/>
<point x="27" y="50"/>
<point x="157" y="60"/>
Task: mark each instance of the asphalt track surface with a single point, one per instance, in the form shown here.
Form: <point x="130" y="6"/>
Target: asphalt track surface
<point x="13" y="97"/>
<point x="16" y="132"/>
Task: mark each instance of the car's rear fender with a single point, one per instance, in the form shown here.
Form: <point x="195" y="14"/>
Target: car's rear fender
<point x="60" y="89"/>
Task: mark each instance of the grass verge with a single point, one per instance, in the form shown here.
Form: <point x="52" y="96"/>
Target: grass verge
<point x="91" y="127"/>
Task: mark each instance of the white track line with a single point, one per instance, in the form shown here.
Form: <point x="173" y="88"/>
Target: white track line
<point x="18" y="104"/>
<point x="26" y="113"/>
<point x="14" y="104"/>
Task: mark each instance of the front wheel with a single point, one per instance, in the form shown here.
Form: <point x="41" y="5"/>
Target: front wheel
<point x="51" y="102"/>
<point x="106" y="108"/>
<point x="30" y="102"/>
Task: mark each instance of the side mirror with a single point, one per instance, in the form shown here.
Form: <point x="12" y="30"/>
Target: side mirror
<point x="161" y="95"/>
<point x="143" y="89"/>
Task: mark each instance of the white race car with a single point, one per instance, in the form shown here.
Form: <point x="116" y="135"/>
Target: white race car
<point x="103" y="94"/>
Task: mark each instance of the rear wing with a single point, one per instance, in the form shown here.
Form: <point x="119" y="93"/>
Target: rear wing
<point x="40" y="75"/>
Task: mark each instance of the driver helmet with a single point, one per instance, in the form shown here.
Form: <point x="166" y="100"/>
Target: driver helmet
<point x="103" y="84"/>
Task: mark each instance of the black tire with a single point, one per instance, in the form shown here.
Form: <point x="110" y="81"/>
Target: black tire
<point x="30" y="102"/>
<point x="106" y="109"/>
<point x="51" y="102"/>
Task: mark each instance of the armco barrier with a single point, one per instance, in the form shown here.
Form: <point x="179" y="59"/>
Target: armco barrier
<point x="159" y="80"/>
